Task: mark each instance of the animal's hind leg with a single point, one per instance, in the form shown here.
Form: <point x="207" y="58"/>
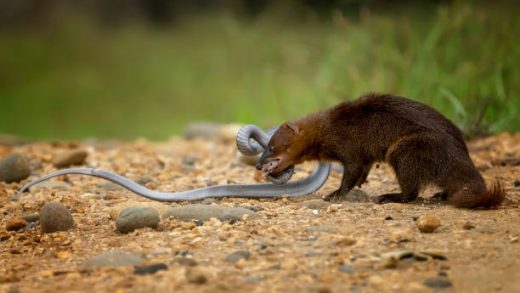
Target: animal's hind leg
<point x="407" y="176"/>
<point x="412" y="161"/>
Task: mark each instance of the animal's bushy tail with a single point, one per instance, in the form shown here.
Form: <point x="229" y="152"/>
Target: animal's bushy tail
<point x="466" y="198"/>
<point x="493" y="196"/>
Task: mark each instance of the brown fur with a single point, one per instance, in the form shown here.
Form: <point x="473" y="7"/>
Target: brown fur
<point x="417" y="141"/>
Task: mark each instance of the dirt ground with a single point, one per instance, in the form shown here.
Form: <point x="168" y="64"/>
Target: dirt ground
<point x="341" y="247"/>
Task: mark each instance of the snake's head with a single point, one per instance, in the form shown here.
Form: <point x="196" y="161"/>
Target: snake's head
<point x="282" y="152"/>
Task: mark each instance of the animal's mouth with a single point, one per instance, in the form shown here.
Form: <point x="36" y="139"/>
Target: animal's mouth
<point x="270" y="167"/>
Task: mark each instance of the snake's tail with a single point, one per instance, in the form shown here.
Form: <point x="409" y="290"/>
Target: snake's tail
<point x="107" y="175"/>
<point x="84" y="171"/>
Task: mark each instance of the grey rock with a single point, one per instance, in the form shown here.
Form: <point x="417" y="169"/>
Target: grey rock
<point x="438" y="283"/>
<point x="55" y="217"/>
<point x="150" y="270"/>
<point x="135" y="218"/>
<point x="315" y="204"/>
<point x="31" y="217"/>
<point x="238" y="255"/>
<point x="14" y="168"/>
<point x="205" y="212"/>
<point x="357" y="195"/>
<point x="189" y="160"/>
<point x="254" y="278"/>
<point x="322" y="228"/>
<point x="185" y="261"/>
<point x="54" y="185"/>
<point x="349" y="269"/>
<point x="113" y="259"/>
<point x="110" y="186"/>
<point x="69" y="158"/>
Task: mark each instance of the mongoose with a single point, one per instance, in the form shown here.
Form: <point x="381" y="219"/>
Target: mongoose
<point x="419" y="143"/>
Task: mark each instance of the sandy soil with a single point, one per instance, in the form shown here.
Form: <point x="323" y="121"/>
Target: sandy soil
<point x="339" y="248"/>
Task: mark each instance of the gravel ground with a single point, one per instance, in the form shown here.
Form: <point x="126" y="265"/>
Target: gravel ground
<point x="285" y="245"/>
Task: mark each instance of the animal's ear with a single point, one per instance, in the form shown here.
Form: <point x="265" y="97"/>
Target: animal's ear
<point x="292" y="127"/>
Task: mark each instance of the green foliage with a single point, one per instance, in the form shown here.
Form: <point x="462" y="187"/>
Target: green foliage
<point x="81" y="80"/>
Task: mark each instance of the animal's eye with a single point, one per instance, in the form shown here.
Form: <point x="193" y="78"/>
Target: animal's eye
<point x="271" y="149"/>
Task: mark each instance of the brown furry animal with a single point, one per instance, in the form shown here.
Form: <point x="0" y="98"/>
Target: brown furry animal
<point x="419" y="143"/>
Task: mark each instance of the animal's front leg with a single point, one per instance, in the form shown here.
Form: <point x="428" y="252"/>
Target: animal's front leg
<point x="351" y="175"/>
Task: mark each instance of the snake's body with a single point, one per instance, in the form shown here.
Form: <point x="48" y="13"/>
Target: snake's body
<point x="251" y="140"/>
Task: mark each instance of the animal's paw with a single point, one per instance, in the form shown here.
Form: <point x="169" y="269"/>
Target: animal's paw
<point x="335" y="196"/>
<point x="380" y="199"/>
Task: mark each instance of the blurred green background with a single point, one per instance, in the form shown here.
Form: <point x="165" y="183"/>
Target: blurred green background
<point x="126" y="69"/>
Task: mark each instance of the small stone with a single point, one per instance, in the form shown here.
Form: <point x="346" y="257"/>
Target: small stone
<point x="315" y="204"/>
<point x="468" y="226"/>
<point x="189" y="160"/>
<point x="14" y="168"/>
<point x="55" y="217"/>
<point x="186" y="261"/>
<point x="135" y="218"/>
<point x="238" y="255"/>
<point x="195" y="276"/>
<point x="349" y="269"/>
<point x="357" y="195"/>
<point x="438" y="283"/>
<point x="15" y="224"/>
<point x="69" y="158"/>
<point x="428" y="223"/>
<point x="205" y="212"/>
<point x="254" y="279"/>
<point x="113" y="259"/>
<point x="389" y="263"/>
<point x="322" y="228"/>
<point x="50" y="185"/>
<point x="346" y="242"/>
<point x="150" y="270"/>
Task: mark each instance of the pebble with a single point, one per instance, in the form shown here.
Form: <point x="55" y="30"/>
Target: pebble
<point x="205" y="212"/>
<point x="113" y="259"/>
<point x="55" y="185"/>
<point x="14" y="168"/>
<point x="468" y="226"/>
<point x="186" y="261"/>
<point x="238" y="255"/>
<point x="357" y="195"/>
<point x="15" y="224"/>
<point x="55" y="217"/>
<point x="195" y="276"/>
<point x="428" y="223"/>
<point x="349" y="269"/>
<point x="69" y="158"/>
<point x="322" y="228"/>
<point x="135" y="218"/>
<point x="438" y="283"/>
<point x="315" y="204"/>
<point x="150" y="270"/>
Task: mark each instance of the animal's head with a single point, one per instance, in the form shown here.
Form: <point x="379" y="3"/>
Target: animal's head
<point x="283" y="151"/>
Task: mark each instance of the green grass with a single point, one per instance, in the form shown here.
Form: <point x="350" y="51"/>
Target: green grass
<point x="79" y="80"/>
